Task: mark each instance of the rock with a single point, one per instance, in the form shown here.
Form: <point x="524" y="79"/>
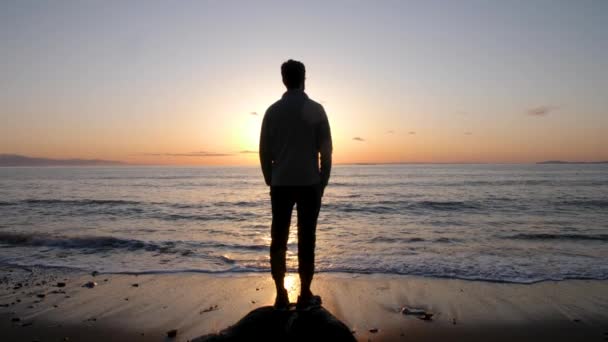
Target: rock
<point x="60" y="284"/>
<point x="94" y="273"/>
<point x="135" y="285"/>
<point x="41" y="295"/>
<point x="172" y="333"/>
<point x="90" y="284"/>
<point x="373" y="330"/>
<point x="267" y="324"/>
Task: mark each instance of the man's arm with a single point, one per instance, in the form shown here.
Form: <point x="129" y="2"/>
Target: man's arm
<point x="265" y="151"/>
<point x="325" y="149"/>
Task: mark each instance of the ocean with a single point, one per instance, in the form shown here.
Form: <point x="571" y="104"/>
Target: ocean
<point x="504" y="223"/>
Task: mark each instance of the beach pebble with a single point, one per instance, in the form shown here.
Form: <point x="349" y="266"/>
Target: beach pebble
<point x="41" y="295"/>
<point x="426" y="317"/>
<point x="135" y="285"/>
<point x="172" y="333"/>
<point x="94" y="273"/>
<point x="61" y="284"/>
<point x="90" y="284"/>
<point x="420" y="313"/>
<point x="373" y="330"/>
<point x="412" y="311"/>
<point x="209" y="309"/>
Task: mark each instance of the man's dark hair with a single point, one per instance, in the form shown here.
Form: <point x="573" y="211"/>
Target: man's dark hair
<point x="293" y="73"/>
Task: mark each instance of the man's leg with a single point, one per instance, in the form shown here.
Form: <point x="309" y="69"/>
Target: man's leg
<point x="309" y="203"/>
<point x="282" y="206"/>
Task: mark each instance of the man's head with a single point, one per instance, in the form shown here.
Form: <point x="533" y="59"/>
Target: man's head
<point x="294" y="74"/>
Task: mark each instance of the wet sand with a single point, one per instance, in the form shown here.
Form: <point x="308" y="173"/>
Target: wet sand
<point x="145" y="307"/>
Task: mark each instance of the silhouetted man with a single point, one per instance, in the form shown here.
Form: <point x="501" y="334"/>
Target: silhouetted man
<point x="295" y="131"/>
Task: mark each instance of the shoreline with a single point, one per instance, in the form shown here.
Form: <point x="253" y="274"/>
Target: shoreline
<point x="233" y="273"/>
<point x="144" y="307"/>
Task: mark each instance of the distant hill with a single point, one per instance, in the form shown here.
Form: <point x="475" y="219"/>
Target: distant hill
<point x="18" y="160"/>
<point x="569" y="162"/>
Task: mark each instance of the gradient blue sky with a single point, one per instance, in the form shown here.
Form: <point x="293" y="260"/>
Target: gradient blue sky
<point x="416" y="81"/>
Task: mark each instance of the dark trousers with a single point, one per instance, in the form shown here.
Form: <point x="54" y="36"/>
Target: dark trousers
<point x="308" y="201"/>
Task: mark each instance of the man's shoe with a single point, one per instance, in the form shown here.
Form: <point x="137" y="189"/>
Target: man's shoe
<point x="307" y="303"/>
<point x="282" y="300"/>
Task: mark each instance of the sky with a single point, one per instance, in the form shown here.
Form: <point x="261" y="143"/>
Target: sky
<point x="188" y="82"/>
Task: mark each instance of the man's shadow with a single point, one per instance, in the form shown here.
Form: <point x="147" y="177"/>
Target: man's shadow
<point x="267" y="324"/>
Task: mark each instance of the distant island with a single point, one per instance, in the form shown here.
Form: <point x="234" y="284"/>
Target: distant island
<point x="19" y="160"/>
<point x="571" y="162"/>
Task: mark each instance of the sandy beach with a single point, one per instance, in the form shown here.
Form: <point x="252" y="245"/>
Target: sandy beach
<point x="37" y="306"/>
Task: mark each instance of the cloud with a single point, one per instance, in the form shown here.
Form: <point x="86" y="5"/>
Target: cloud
<point x="248" y="152"/>
<point x="411" y="132"/>
<point x="390" y="132"/>
<point x="189" y="154"/>
<point x="358" y="139"/>
<point x="253" y="113"/>
<point x="541" y="110"/>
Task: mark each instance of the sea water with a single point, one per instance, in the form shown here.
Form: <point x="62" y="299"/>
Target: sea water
<point x="508" y="223"/>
